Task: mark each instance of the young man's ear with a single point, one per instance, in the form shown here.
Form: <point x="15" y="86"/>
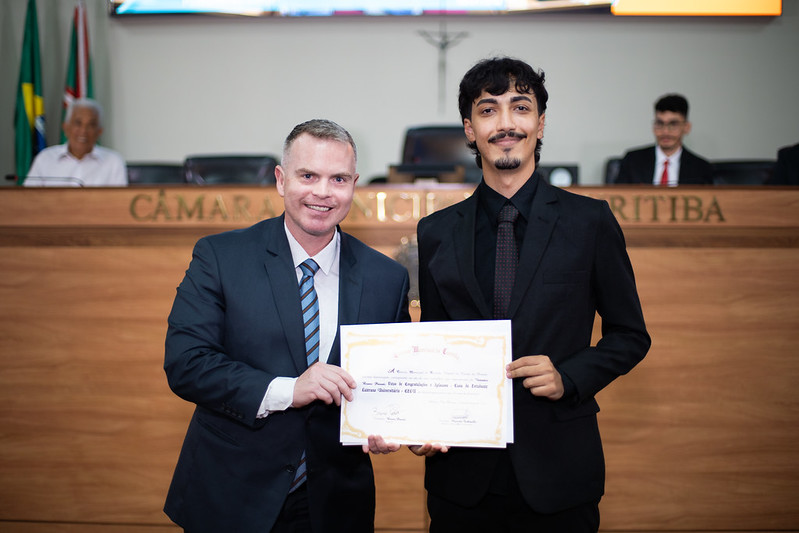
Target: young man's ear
<point x="467" y="129"/>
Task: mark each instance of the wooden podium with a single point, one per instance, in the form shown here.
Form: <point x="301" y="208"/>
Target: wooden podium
<point x="701" y="436"/>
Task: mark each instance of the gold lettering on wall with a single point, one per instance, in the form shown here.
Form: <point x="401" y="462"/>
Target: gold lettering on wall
<point x="656" y="208"/>
<point x="403" y="206"/>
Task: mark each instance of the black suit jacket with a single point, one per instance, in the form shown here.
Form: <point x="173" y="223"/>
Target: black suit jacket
<point x="573" y="264"/>
<point x="638" y="166"/>
<point x="235" y="325"/>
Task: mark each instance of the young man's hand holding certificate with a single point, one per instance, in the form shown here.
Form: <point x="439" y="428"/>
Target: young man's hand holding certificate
<point x="429" y="382"/>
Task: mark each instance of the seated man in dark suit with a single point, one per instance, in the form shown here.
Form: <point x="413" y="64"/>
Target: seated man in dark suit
<point x="667" y="163"/>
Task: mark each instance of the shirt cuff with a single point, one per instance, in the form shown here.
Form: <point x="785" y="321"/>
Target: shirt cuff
<point x="278" y="397"/>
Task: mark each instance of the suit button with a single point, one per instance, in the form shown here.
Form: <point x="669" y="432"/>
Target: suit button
<point x="290" y="468"/>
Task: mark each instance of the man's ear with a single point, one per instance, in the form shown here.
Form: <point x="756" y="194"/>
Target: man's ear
<point x="467" y="129"/>
<point x="279" y="177"/>
<point x="541" y="123"/>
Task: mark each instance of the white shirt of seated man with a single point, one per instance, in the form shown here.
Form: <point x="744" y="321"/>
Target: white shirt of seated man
<point x="79" y="162"/>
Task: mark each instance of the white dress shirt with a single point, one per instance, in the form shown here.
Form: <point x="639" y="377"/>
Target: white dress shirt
<point x="56" y="167"/>
<point x="674" y="166"/>
<point x="280" y="393"/>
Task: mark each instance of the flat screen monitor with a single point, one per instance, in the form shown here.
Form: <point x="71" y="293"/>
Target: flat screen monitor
<point x="297" y="8"/>
<point x="320" y="8"/>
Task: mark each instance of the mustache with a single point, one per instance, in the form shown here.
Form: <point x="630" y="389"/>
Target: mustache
<point x="503" y="134"/>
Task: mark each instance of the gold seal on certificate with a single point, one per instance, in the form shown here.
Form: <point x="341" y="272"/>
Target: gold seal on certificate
<point x="437" y="382"/>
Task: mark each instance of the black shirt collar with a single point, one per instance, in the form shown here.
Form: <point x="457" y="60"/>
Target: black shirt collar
<point x="492" y="202"/>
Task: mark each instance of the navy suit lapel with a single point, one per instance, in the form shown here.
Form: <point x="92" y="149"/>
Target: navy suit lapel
<point x="647" y="173"/>
<point x="283" y="280"/>
<point x="686" y="167"/>
<point x="541" y="221"/>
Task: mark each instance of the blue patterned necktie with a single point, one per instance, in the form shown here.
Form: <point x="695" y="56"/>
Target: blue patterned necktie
<point x="310" y="310"/>
<point x="310" y="319"/>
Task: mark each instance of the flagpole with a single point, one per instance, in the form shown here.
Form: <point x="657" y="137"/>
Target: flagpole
<point x="79" y="71"/>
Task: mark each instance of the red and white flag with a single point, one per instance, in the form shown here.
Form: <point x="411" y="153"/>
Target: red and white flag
<point x="79" y="70"/>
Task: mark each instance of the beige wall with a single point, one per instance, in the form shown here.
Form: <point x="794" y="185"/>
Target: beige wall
<point x="174" y="86"/>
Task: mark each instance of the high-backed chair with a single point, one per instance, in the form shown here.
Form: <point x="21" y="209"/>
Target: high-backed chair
<point x="742" y="172"/>
<point x="612" y="166"/>
<point x="155" y="173"/>
<point x="439" y="148"/>
<point x="230" y="169"/>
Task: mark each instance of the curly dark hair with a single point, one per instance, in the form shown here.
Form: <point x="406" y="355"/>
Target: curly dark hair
<point x="494" y="76"/>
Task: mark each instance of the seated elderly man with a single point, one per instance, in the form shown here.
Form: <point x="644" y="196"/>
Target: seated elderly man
<point x="79" y="162"/>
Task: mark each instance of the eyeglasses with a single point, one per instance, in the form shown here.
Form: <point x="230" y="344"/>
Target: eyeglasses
<point x="672" y="125"/>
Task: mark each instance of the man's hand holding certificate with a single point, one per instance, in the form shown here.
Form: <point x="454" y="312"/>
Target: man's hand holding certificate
<point x="429" y="382"/>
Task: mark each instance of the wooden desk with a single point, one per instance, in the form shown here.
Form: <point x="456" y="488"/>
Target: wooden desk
<point x="701" y="436"/>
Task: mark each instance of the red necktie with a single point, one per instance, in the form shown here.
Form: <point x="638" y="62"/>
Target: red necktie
<point x="664" y="178"/>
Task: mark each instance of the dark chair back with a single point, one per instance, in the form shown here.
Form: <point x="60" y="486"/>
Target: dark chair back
<point x="442" y="145"/>
<point x="612" y="166"/>
<point x="155" y="173"/>
<point x="230" y="169"/>
<point x="742" y="172"/>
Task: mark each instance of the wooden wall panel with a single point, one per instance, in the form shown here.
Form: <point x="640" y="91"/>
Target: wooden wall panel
<point x="699" y="437"/>
<point x="91" y="428"/>
<point x="702" y="434"/>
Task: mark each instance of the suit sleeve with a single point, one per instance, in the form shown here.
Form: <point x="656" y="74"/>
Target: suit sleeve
<point x="196" y="365"/>
<point x="707" y="172"/>
<point x="625" y="340"/>
<point x="625" y="172"/>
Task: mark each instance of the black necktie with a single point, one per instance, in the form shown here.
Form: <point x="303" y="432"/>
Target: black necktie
<point x="506" y="260"/>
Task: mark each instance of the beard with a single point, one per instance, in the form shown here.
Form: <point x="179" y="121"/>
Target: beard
<point x="507" y="163"/>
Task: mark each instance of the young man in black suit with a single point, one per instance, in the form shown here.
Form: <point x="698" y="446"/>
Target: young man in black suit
<point x="572" y="263"/>
<point x="668" y="162"/>
<point x="261" y="362"/>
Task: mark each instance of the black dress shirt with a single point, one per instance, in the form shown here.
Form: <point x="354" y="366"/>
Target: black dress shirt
<point x="490" y="202"/>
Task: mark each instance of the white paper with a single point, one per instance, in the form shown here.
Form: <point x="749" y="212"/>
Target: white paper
<point x="436" y="382"/>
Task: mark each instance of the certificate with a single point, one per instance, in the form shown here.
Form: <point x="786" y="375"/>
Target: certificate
<point x="437" y="382"/>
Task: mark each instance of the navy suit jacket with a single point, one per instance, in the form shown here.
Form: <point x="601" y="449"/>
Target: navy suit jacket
<point x="638" y="166"/>
<point x="235" y="325"/>
<point x="572" y="264"/>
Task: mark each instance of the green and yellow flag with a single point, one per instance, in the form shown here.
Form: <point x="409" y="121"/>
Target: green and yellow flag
<point x="29" y="114"/>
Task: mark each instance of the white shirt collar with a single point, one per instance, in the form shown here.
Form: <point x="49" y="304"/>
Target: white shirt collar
<point x="660" y="156"/>
<point x="326" y="258"/>
<point x="63" y="151"/>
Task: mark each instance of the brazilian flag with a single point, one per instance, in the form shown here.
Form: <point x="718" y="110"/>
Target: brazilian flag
<point x="29" y="115"/>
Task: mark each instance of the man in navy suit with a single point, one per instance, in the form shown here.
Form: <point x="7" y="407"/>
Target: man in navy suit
<point x="572" y="264"/>
<point x="668" y="162"/>
<point x="236" y="348"/>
